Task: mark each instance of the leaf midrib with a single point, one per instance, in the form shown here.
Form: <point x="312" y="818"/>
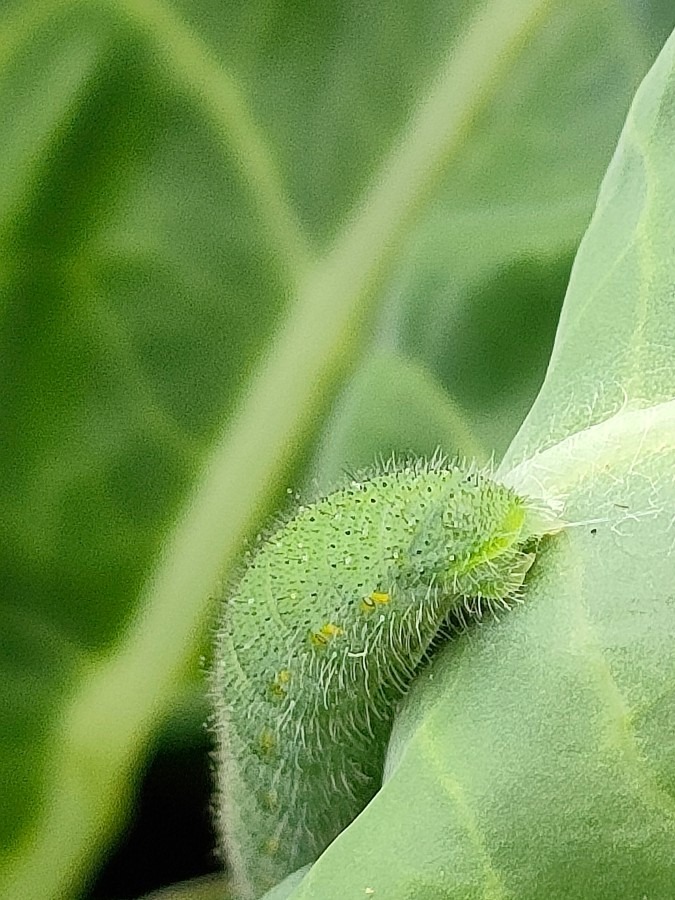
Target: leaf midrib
<point x="557" y="471"/>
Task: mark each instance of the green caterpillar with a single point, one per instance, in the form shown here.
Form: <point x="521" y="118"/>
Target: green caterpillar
<point x="332" y="618"/>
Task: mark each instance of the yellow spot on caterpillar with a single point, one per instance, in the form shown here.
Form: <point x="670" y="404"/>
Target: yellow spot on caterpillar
<point x="377" y="598"/>
<point x="268" y="741"/>
<point x="325" y="634"/>
<point x="278" y="688"/>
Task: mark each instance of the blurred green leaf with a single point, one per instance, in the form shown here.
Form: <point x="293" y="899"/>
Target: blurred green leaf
<point x="212" y="215"/>
<point x="392" y="405"/>
<point x="476" y="292"/>
<point x="535" y="757"/>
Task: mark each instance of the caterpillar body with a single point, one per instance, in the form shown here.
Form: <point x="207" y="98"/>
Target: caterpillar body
<point x="324" y="632"/>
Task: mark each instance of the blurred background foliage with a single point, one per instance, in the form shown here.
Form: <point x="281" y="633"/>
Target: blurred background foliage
<point x="172" y="174"/>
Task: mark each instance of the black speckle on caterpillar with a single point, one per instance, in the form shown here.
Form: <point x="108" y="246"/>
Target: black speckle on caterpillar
<point x="323" y="633"/>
